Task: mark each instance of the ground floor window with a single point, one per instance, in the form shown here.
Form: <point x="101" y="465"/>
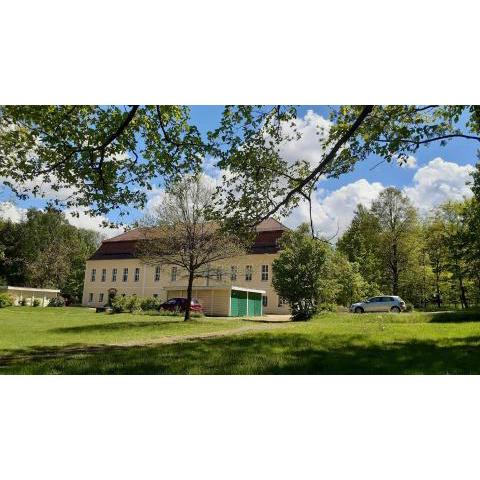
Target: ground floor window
<point x="264" y="300"/>
<point x="90" y="297"/>
<point x="100" y="297"/>
<point x="155" y="295"/>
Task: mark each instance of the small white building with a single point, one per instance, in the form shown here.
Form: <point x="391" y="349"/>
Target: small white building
<point x="30" y="294"/>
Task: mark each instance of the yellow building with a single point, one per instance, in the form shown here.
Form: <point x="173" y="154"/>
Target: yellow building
<point x="114" y="269"/>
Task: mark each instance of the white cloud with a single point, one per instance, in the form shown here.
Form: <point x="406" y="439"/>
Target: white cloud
<point x="334" y="211"/>
<point x="8" y="210"/>
<point x="409" y="162"/>
<point x="313" y="128"/>
<point x="438" y="182"/>
<point x="84" y="220"/>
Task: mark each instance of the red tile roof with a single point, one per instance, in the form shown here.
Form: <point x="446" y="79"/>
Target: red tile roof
<point x="123" y="246"/>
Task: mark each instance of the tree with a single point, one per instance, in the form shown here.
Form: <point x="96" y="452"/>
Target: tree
<point x="179" y="233"/>
<point x="44" y="250"/>
<point x="297" y="272"/>
<point x="360" y="245"/>
<point x="102" y="157"/>
<point x="397" y="219"/>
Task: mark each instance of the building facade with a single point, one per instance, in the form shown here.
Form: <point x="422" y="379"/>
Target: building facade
<point x="114" y="269"/>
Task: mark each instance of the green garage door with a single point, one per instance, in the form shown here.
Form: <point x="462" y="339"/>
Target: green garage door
<point x="239" y="303"/>
<point x="254" y="304"/>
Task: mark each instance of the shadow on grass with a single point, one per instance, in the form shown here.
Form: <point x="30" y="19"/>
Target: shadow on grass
<point x="108" y="327"/>
<point x="459" y="316"/>
<point x="256" y="354"/>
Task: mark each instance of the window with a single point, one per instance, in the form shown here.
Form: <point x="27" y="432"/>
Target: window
<point x="90" y="297"/>
<point x="157" y="274"/>
<point x="94" y="274"/>
<point x="264" y="300"/>
<point x="281" y="302"/>
<point x="125" y="274"/>
<point x="100" y="297"/>
<point x="174" y="274"/>
<point x="155" y="295"/>
<point x="264" y="273"/>
<point x="233" y="273"/>
<point x="219" y="274"/>
<point x="114" y="275"/>
<point x="104" y="274"/>
<point x="137" y="275"/>
<point x="248" y="273"/>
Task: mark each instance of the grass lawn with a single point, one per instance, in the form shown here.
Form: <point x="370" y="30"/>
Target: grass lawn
<point x="78" y="341"/>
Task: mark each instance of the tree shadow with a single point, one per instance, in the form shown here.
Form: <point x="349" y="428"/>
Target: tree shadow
<point x="455" y="316"/>
<point x="261" y="353"/>
<point x="108" y="327"/>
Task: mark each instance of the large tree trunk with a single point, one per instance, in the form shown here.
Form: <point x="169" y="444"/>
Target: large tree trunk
<point x="189" y="295"/>
<point x="463" y="297"/>
<point x="394" y="269"/>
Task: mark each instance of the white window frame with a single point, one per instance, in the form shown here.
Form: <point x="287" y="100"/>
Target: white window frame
<point x="125" y="275"/>
<point x="248" y="273"/>
<point x="114" y="275"/>
<point x="100" y="297"/>
<point x="104" y="275"/>
<point x="173" y="274"/>
<point x="93" y="275"/>
<point x="233" y="273"/>
<point x="264" y="273"/>
<point x="136" y="277"/>
<point x="156" y="277"/>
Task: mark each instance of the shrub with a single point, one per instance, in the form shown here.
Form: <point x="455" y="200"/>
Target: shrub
<point x="119" y="304"/>
<point x="126" y="304"/>
<point x="56" y="302"/>
<point x="23" y="302"/>
<point x="36" y="302"/>
<point x="150" y="303"/>
<point x="6" y="300"/>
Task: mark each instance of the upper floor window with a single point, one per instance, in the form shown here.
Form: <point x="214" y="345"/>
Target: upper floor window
<point x="94" y="274"/>
<point x="264" y="273"/>
<point x="104" y="274"/>
<point x="125" y="274"/>
<point x="174" y="274"/>
<point x="114" y="275"/>
<point x="248" y="273"/>
<point x="137" y="275"/>
<point x="233" y="273"/>
<point x="157" y="273"/>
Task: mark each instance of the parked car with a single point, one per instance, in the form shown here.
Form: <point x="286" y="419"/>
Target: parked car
<point x="180" y="305"/>
<point x="384" y="303"/>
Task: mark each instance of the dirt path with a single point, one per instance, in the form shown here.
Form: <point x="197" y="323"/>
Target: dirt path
<point x="198" y="336"/>
<point x="61" y="351"/>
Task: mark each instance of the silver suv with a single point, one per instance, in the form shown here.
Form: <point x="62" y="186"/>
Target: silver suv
<point x="390" y="303"/>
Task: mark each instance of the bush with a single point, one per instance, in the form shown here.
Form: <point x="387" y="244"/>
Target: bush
<point x="23" y="302"/>
<point x="150" y="303"/>
<point x="6" y="300"/>
<point x="56" y="302"/>
<point x="36" y="302"/>
<point x="126" y="304"/>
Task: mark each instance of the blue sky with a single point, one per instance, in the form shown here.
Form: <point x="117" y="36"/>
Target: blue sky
<point x="436" y="174"/>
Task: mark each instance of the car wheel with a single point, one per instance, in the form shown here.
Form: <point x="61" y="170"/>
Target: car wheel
<point x="395" y="310"/>
<point x="358" y="310"/>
